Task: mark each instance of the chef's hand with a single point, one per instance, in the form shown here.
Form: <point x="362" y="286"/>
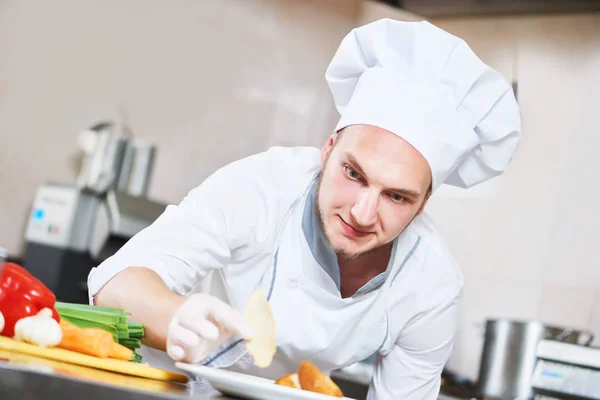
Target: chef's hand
<point x="200" y="325"/>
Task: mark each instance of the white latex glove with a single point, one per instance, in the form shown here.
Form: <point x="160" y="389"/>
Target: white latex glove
<point x="200" y="325"/>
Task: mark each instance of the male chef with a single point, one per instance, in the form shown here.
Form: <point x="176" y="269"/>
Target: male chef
<point x="336" y="237"/>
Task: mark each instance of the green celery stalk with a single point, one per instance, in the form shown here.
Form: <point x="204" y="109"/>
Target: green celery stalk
<point x="87" y="307"/>
<point x="131" y="343"/>
<point x="136" y="329"/>
<point x="97" y="316"/>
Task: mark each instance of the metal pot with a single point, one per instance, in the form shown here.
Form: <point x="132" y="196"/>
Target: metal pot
<point x="508" y="357"/>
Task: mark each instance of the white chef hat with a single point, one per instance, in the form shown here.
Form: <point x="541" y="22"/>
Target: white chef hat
<point x="428" y="87"/>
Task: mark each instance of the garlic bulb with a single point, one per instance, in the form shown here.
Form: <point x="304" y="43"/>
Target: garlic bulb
<point x="40" y="329"/>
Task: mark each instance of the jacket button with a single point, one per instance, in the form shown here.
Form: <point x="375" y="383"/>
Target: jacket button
<point x="383" y="319"/>
<point x="293" y="284"/>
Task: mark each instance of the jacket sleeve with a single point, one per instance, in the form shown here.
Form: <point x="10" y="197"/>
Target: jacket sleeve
<point x="412" y="369"/>
<point x="198" y="235"/>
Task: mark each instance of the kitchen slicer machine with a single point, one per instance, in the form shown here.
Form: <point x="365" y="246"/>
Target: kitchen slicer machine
<point x="74" y="226"/>
<point x="566" y="371"/>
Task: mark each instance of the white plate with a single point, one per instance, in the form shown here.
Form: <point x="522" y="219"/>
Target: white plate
<point x="248" y="386"/>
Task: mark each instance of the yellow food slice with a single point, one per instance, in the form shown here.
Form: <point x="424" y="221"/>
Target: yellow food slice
<point x="258" y="314"/>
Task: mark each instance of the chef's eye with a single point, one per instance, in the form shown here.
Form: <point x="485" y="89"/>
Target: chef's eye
<point x="396" y="197"/>
<point x="351" y="173"/>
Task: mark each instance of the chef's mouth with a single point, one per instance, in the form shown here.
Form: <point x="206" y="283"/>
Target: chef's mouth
<point x="351" y="231"/>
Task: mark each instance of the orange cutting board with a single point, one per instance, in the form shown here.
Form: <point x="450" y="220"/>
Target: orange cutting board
<point x="107" y="364"/>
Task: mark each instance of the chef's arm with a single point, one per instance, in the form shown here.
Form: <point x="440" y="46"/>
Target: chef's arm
<point x="412" y="369"/>
<point x="156" y="310"/>
<point x="150" y="275"/>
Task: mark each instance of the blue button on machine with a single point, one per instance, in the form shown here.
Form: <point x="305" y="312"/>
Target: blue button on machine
<point x="38" y="214"/>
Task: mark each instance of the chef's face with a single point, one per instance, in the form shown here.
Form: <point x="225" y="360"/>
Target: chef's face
<point x="372" y="185"/>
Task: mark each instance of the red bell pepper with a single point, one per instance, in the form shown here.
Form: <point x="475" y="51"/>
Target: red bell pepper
<point x="22" y="295"/>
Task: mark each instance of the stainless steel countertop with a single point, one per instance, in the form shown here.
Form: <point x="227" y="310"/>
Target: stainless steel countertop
<point x="40" y="379"/>
<point x="36" y="378"/>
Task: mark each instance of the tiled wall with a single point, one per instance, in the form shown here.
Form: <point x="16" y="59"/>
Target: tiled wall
<point x="213" y="80"/>
<point x="527" y="242"/>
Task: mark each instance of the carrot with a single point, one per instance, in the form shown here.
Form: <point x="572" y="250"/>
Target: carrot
<point x="120" y="352"/>
<point x="72" y="335"/>
<point x="92" y="341"/>
<point x="66" y="325"/>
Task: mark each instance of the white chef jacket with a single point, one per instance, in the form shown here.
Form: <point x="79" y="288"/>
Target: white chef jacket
<point x="253" y="223"/>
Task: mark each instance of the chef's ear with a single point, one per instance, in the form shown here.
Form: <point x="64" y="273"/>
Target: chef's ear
<point x="328" y="146"/>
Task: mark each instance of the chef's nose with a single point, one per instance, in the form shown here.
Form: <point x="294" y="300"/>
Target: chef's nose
<point x="364" y="211"/>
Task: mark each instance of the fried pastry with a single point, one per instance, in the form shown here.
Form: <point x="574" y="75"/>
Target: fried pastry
<point x="313" y="380"/>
